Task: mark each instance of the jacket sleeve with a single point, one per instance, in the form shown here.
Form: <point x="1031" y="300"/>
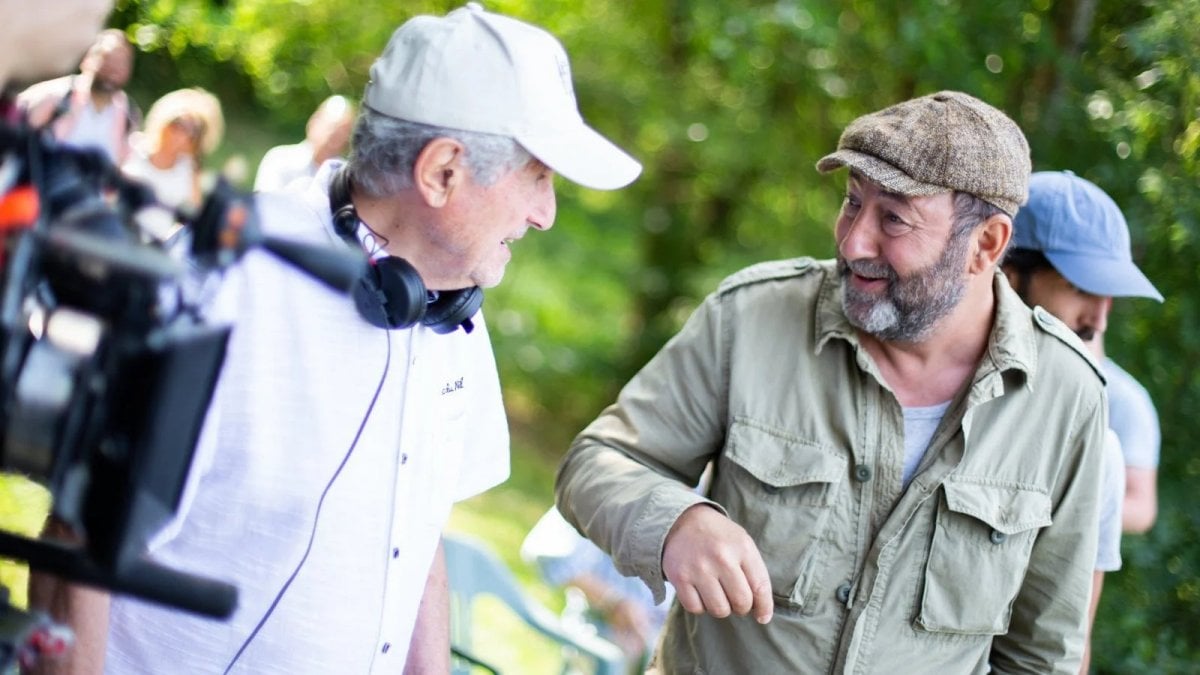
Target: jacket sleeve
<point x="1048" y="626"/>
<point x="630" y="474"/>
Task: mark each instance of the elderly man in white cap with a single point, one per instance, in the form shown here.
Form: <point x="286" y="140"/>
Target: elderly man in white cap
<point x="342" y="431"/>
<point x="1071" y="255"/>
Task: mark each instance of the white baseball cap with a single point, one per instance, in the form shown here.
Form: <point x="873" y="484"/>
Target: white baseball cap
<point x="478" y="71"/>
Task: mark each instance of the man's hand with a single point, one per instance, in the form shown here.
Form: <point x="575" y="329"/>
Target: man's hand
<point x="715" y="566"/>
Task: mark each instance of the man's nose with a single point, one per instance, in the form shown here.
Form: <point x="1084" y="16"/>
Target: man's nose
<point x="1096" y="313"/>
<point x="856" y="236"/>
<point x="545" y="207"/>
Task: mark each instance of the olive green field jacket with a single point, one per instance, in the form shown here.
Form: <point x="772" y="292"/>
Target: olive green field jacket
<point x="983" y="564"/>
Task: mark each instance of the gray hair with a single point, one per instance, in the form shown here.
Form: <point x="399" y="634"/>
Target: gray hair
<point x="970" y="211"/>
<point x="385" y="149"/>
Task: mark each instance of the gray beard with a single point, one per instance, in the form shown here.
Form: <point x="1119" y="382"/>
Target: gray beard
<point x="910" y="307"/>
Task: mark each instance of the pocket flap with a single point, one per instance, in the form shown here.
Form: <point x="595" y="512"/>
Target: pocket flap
<point x="780" y="460"/>
<point x="1006" y="508"/>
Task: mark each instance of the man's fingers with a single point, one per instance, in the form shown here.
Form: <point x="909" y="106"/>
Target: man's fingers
<point x="760" y="585"/>
<point x="689" y="598"/>
<point x="737" y="590"/>
<point x="715" y="567"/>
<point x="713" y="595"/>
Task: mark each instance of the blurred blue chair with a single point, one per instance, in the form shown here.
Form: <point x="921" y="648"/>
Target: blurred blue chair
<point x="474" y="571"/>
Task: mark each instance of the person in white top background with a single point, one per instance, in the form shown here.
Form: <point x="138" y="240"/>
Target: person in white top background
<point x="182" y="128"/>
<point x="90" y="109"/>
<point x="342" y="430"/>
<point x="1071" y="255"/>
<point x="326" y="136"/>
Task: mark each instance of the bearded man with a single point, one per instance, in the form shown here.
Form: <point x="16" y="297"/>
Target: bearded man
<point x="90" y="109"/>
<point x="906" y="457"/>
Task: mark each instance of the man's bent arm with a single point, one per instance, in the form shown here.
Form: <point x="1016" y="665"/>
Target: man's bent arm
<point x="429" y="649"/>
<point x="1141" y="499"/>
<point x="1097" y="587"/>
<point x="629" y="475"/>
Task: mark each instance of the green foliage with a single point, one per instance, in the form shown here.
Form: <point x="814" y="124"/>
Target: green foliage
<point x="729" y="105"/>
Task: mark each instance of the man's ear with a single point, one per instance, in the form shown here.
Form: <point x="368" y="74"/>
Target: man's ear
<point x="991" y="240"/>
<point x="439" y="170"/>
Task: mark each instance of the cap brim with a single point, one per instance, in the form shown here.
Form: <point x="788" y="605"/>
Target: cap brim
<point x="1104" y="276"/>
<point x="878" y="171"/>
<point x="583" y="156"/>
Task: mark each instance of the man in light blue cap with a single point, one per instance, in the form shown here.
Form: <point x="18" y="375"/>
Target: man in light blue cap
<point x="1071" y="254"/>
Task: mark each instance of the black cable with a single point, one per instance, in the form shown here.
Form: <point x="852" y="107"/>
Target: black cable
<point x="317" y="517"/>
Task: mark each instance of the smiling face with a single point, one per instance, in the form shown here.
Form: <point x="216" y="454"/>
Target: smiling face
<point x="901" y="267"/>
<point x="484" y="221"/>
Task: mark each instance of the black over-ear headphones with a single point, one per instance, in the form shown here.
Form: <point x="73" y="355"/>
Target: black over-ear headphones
<point x="391" y="293"/>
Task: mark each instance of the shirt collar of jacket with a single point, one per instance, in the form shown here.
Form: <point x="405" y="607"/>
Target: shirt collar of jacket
<point x="1012" y="344"/>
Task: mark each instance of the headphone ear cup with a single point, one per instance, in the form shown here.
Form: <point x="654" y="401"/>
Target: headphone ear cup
<point x="453" y="309"/>
<point x="344" y="221"/>
<point x="391" y="294"/>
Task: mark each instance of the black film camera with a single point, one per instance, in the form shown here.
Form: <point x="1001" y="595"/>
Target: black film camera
<point x="106" y="365"/>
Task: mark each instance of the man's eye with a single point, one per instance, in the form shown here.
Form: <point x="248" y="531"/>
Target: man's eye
<point x="893" y="225"/>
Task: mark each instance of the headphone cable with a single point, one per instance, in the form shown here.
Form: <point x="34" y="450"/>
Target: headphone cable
<point x="317" y="516"/>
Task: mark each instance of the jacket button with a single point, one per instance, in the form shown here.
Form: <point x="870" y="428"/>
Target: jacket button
<point x="862" y="473"/>
<point x="843" y="593"/>
<point x="998" y="537"/>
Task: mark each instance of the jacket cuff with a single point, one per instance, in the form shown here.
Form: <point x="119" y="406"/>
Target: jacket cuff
<point x="650" y="531"/>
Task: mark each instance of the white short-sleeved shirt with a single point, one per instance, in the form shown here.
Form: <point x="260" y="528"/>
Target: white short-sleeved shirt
<point x="283" y="164"/>
<point x="301" y="371"/>
<point x="94" y="128"/>
<point x="173" y="186"/>
<point x="1132" y="415"/>
<point x="1112" y="497"/>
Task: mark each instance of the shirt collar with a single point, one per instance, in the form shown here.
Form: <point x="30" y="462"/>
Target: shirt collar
<point x="1012" y="344"/>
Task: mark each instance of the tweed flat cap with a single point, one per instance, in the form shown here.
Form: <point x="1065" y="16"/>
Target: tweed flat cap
<point x="948" y="141"/>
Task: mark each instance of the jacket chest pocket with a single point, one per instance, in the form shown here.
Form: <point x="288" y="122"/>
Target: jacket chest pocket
<point x="782" y="491"/>
<point x="979" y="554"/>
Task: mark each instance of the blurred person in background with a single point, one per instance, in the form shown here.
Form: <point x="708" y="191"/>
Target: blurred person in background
<point x="326" y="136"/>
<point x="183" y="127"/>
<point x="1071" y="255"/>
<point x="89" y="109"/>
<point x="621" y="608"/>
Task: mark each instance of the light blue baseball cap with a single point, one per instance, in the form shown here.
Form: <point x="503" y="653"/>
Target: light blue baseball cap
<point x="1082" y="232"/>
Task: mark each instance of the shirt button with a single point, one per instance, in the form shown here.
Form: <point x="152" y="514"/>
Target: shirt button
<point x="998" y="537"/>
<point x="404" y="458"/>
<point x="862" y="473"/>
<point x="395" y="553"/>
<point x="843" y="593"/>
<point x="386" y="647"/>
